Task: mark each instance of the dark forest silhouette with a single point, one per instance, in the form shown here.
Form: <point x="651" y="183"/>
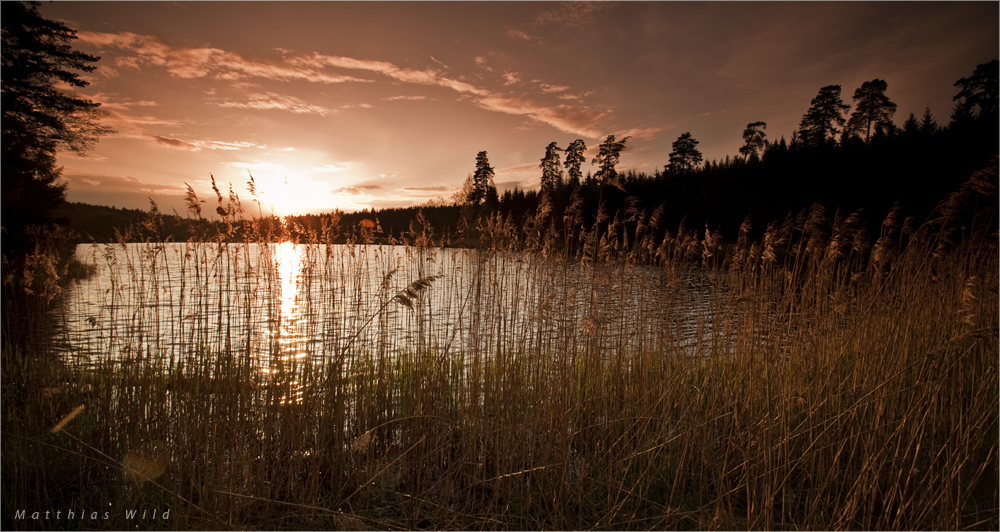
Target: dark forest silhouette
<point x="851" y="161"/>
<point x="860" y="162"/>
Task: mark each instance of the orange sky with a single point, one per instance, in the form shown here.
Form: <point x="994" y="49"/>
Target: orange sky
<point x="377" y="104"/>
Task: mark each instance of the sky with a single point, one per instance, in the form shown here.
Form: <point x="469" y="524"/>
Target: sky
<point x="356" y="105"/>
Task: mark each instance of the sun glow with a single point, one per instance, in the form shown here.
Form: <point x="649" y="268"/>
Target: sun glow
<point x="290" y="186"/>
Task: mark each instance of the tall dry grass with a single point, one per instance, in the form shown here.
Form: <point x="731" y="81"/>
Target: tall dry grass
<point x="620" y="376"/>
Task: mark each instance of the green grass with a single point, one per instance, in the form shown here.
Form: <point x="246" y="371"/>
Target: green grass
<point x="840" y="383"/>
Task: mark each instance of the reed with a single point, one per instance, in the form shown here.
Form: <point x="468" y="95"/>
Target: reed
<point x="637" y="378"/>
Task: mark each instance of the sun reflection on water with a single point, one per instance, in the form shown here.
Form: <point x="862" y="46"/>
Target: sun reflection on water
<point x="286" y="336"/>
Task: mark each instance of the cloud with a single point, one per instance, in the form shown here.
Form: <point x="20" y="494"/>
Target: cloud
<point x="271" y="100"/>
<point x="225" y="146"/>
<point x="356" y="190"/>
<point x="137" y="127"/>
<point x="441" y="188"/>
<point x="575" y="120"/>
<point x="107" y="71"/>
<point x="407" y="75"/>
<point x="572" y="14"/>
<point x="220" y="64"/>
<point x="336" y="167"/>
<point x="531" y="167"/>
<point x="406" y="98"/>
<point x="545" y="87"/>
<point x="518" y="34"/>
<point x="641" y="133"/>
<point x="174" y="143"/>
<point x="82" y="157"/>
<point x="189" y="63"/>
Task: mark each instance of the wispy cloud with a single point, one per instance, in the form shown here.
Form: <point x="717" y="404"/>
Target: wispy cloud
<point x="545" y="87"/>
<point x="394" y="98"/>
<point x="356" y="190"/>
<point x="201" y="62"/>
<point x="441" y="188"/>
<point x="282" y="102"/>
<point x="572" y="14"/>
<point x="641" y="133"/>
<point x="220" y="64"/>
<point x="225" y="146"/>
<point x="530" y="167"/>
<point x="107" y="71"/>
<point x="518" y="34"/>
<point x="174" y="143"/>
<point x="336" y="167"/>
<point x="577" y="120"/>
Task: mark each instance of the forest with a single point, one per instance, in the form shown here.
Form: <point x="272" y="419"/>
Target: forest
<point x="858" y="163"/>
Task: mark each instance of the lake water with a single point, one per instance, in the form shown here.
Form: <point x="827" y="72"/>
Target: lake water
<point x="282" y="304"/>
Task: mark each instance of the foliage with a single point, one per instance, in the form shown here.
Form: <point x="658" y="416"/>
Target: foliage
<point x="819" y="125"/>
<point x="607" y="158"/>
<point x="483" y="189"/>
<point x="551" y="169"/>
<point x="685" y="158"/>
<point x="754" y="141"/>
<point x="980" y="90"/>
<point x="872" y="108"/>
<point x="39" y="117"/>
<point x="575" y="157"/>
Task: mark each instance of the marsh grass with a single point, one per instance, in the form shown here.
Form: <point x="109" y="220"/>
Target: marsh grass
<point x="621" y="376"/>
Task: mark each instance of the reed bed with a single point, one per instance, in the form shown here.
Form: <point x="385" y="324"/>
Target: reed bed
<point x="610" y="377"/>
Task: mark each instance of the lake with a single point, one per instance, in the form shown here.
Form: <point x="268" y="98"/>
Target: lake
<point x="280" y="305"/>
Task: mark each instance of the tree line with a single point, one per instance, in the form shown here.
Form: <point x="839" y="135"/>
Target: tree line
<point x="849" y="157"/>
<point x="860" y="161"/>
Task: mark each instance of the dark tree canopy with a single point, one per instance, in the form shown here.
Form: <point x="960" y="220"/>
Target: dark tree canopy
<point x="685" y="157"/>
<point x="754" y="141"/>
<point x="979" y="91"/>
<point x="575" y="157"/>
<point x="483" y="189"/>
<point x="551" y="168"/>
<point x="607" y="158"/>
<point x="39" y="118"/>
<point x="872" y="109"/>
<point x="819" y="124"/>
<point x="927" y="124"/>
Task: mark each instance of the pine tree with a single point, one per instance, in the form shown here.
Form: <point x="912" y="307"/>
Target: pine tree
<point x="606" y="160"/>
<point x="574" y="157"/>
<point x="551" y="169"/>
<point x="754" y="141"/>
<point x="685" y="157"/>
<point x="872" y="109"/>
<point x="39" y="119"/>
<point x="979" y="91"/>
<point x="928" y="126"/>
<point x="483" y="189"/>
<point x="819" y="124"/>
